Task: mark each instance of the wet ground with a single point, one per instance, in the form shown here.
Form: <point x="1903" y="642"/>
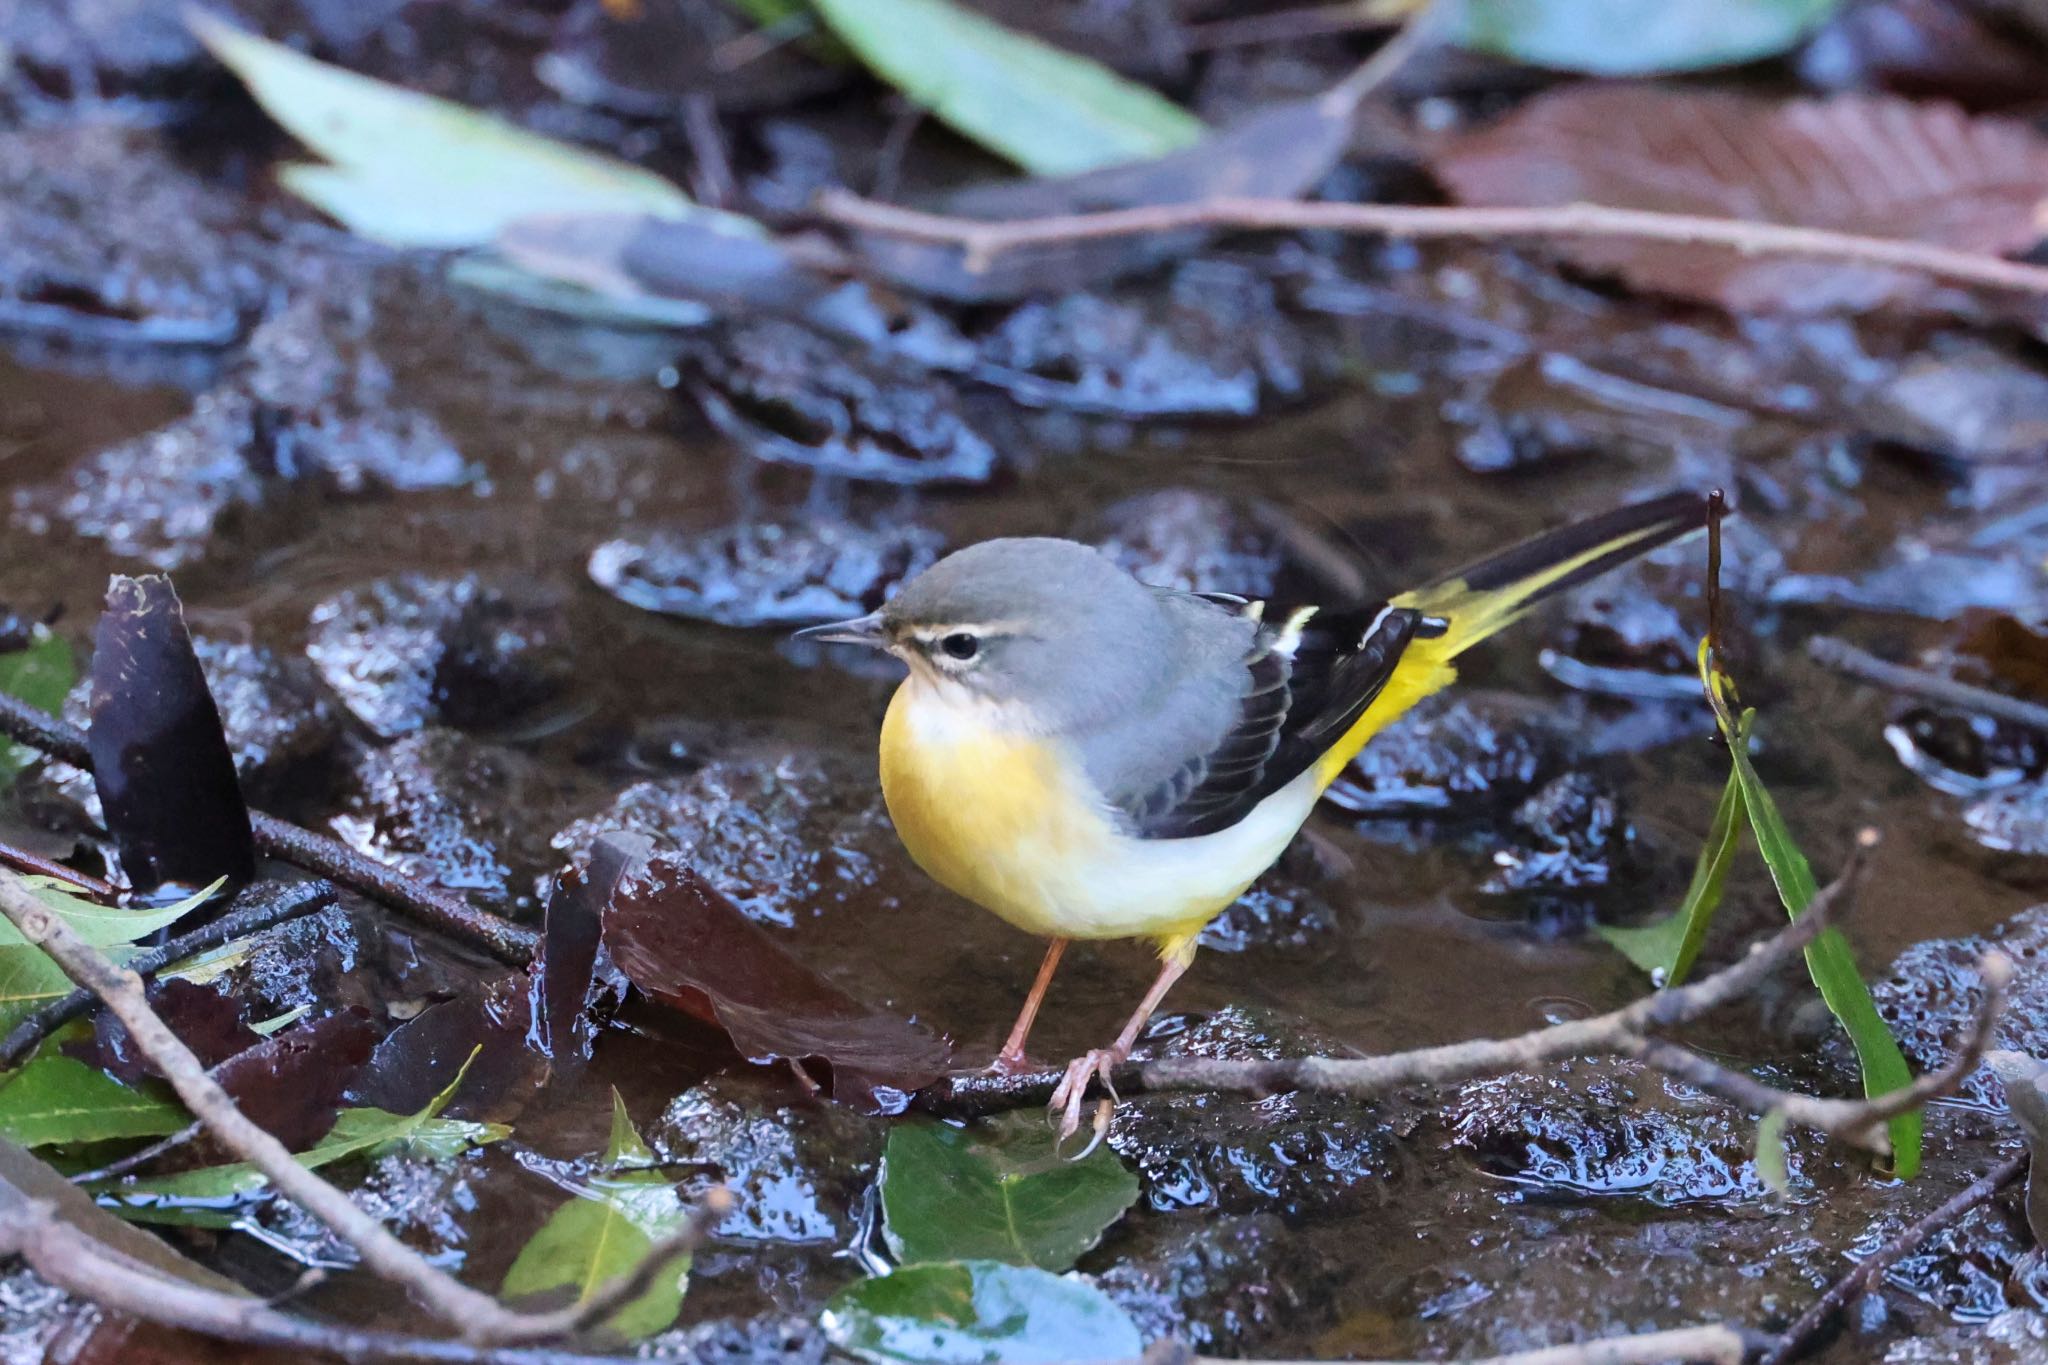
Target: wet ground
<point x="421" y="530"/>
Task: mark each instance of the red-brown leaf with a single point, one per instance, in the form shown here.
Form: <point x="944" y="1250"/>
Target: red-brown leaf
<point x="680" y="941"/>
<point x="1871" y="165"/>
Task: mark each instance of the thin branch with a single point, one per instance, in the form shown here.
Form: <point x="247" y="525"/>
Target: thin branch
<point x="303" y="848"/>
<point x="1625" y="1032"/>
<point x="971" y="1093"/>
<point x="1796" y="1338"/>
<point x="1714" y="1345"/>
<point x="1844" y="657"/>
<point x="92" y="1271"/>
<point x="267" y="905"/>
<point x="478" y="1316"/>
<point x="983" y="240"/>
<point x="21" y="860"/>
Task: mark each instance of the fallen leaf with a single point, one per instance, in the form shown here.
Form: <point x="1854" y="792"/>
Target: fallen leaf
<point x="58" y="1101"/>
<point x="1630" y="37"/>
<point x="603" y="1233"/>
<point x="977" y="1312"/>
<point x="1000" y="1191"/>
<point x="566" y="979"/>
<point x="1050" y="111"/>
<point x="292" y="1085"/>
<point x="1666" y="949"/>
<point x="30" y="980"/>
<point x="356" y="1132"/>
<point x="1871" y="165"/>
<point x="161" y="764"/>
<point x="408" y="169"/>
<point x="40" y="675"/>
<point x="681" y="942"/>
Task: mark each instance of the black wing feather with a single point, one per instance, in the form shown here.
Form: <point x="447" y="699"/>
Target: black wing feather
<point x="1302" y="693"/>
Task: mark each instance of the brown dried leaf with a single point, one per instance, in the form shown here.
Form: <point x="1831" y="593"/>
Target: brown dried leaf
<point x="1872" y="165"/>
<point x="682" y="942"/>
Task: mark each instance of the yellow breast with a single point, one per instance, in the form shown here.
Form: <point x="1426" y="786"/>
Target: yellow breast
<point x="1007" y="820"/>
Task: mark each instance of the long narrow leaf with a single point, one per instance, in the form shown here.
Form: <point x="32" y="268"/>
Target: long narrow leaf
<point x="1666" y="949"/>
<point x="1829" y="960"/>
<point x="1049" y="111"/>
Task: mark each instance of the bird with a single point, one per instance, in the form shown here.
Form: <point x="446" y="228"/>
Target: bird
<point x="1092" y="757"/>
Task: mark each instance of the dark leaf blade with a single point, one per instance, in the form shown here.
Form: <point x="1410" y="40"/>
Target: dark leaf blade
<point x="57" y="1101"/>
<point x="1666" y="950"/>
<point x="680" y="941"/>
<point x="565" y="979"/>
<point x="1829" y="960"/>
<point x="292" y="1084"/>
<point x="977" y="1312"/>
<point x="39" y="675"/>
<point x="998" y="1192"/>
<point x="161" y="763"/>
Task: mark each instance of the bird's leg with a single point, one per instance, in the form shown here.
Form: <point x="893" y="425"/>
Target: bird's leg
<point x="1098" y="1063"/>
<point x="1011" y="1058"/>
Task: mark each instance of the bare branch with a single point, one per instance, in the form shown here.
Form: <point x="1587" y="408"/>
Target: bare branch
<point x="1616" y="1032"/>
<point x="303" y="848"/>
<point x="1844" y="657"/>
<point x="983" y="240"/>
<point x="1800" y="1334"/>
<point x="93" y="1271"/>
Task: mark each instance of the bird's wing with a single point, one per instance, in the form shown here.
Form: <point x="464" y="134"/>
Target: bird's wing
<point x="1309" y="676"/>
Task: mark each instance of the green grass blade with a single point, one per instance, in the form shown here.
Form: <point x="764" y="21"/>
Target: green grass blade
<point x="1828" y="961"/>
<point x="1666" y="949"/>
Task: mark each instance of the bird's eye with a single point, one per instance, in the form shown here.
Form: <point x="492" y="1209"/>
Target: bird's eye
<point x="960" y="645"/>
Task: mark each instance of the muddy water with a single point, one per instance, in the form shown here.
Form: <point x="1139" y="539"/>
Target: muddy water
<point x="1503" y="1216"/>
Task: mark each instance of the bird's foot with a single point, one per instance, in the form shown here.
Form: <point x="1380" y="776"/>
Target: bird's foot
<point x="1068" y="1095"/>
<point x="1009" y="1063"/>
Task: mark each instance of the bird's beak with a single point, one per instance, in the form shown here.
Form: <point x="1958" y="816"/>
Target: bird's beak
<point x="861" y="630"/>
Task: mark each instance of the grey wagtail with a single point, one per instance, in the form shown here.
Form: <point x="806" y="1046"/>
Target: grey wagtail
<point x="1091" y="757"/>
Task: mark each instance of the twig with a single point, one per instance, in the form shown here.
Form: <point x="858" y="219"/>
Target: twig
<point x="24" y="861"/>
<point x="1624" y="1032"/>
<point x="1283" y="26"/>
<point x="303" y="848"/>
<point x="969" y="1093"/>
<point x="1796" y="1338"/>
<point x="1844" y="657"/>
<point x="1694" y="1345"/>
<point x="478" y="1316"/>
<point x="90" y="1270"/>
<point x="268" y="905"/>
<point x="983" y="240"/>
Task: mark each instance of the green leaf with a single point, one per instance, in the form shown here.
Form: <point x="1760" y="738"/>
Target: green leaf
<point x="58" y="1100"/>
<point x="408" y="169"/>
<point x="1049" y="111"/>
<point x="356" y="1132"/>
<point x="1771" y="1163"/>
<point x="28" y="981"/>
<point x="998" y="1192"/>
<point x="605" y="1232"/>
<point x="1666" y="949"/>
<point x="40" y="675"/>
<point x="1631" y="37"/>
<point x="979" y="1313"/>
<point x="1829" y="960"/>
<point x="103" y="926"/>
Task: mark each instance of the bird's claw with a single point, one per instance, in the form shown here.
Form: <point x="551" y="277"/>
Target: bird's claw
<point x="1072" y="1091"/>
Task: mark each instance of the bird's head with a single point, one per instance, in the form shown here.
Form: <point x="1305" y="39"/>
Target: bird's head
<point x="1053" y="631"/>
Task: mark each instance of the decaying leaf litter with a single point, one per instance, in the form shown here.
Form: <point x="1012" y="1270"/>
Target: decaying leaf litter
<point x="417" y="504"/>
